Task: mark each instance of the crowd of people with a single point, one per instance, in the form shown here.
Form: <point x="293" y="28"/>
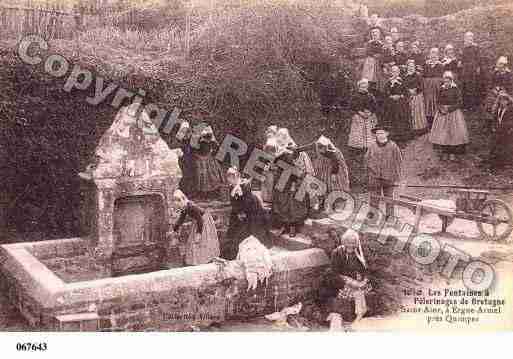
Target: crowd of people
<point x="415" y="93"/>
<point x="400" y="95"/>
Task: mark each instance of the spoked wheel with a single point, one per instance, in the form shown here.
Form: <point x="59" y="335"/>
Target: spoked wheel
<point x="500" y="213"/>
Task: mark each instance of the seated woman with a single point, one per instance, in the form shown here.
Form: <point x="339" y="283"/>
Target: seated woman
<point x="350" y="279"/>
<point x="202" y="244"/>
<point x="208" y="175"/>
<point x="247" y="218"/>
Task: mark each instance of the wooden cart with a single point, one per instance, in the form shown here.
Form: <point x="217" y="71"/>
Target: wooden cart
<point x="494" y="218"/>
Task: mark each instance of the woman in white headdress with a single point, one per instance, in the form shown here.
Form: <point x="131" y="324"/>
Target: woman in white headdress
<point x="413" y="82"/>
<point x="271" y="132"/>
<point x="285" y="142"/>
<point x="248" y="215"/>
<point x="433" y="70"/>
<point x="396" y="109"/>
<point x="349" y="268"/>
<point x="449" y="133"/>
<point x="208" y="174"/>
<point x="330" y="165"/>
<point x="202" y="243"/>
<point x="450" y="61"/>
<point x="363" y="107"/>
<point x="501" y="81"/>
<point x="388" y="59"/>
<point x="288" y="210"/>
<point x="371" y="69"/>
<point x="271" y="147"/>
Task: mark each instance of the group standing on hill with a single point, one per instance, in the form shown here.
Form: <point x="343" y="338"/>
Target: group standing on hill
<point x="417" y="94"/>
<point x="402" y="93"/>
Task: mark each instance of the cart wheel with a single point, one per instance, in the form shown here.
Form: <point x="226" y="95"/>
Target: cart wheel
<point x="501" y="211"/>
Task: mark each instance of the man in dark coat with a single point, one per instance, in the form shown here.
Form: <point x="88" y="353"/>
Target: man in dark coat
<point x="501" y="152"/>
<point x="471" y="72"/>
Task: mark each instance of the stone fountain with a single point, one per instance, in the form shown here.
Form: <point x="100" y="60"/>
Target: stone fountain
<point x="128" y="196"/>
<point x="126" y="271"/>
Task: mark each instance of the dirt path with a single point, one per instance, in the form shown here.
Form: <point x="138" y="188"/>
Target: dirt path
<point x="423" y="168"/>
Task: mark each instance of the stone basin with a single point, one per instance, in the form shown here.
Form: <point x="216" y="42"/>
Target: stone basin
<point x="167" y="299"/>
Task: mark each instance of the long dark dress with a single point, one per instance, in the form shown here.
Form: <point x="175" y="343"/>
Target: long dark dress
<point x="414" y="83"/>
<point x="396" y="113"/>
<point x="433" y="72"/>
<point x="187" y="182"/>
<point x="372" y="65"/>
<point x="254" y="222"/>
<point x="388" y="59"/>
<point x="471" y="76"/>
<point x="346" y="264"/>
<point x="502" y="145"/>
<point x="286" y="209"/>
<point x="208" y="174"/>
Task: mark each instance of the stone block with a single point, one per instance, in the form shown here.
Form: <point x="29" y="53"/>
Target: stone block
<point x="78" y="322"/>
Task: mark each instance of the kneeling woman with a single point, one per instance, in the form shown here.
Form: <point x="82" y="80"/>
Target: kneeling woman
<point x="248" y="216"/>
<point x="449" y="133"/>
<point x="202" y="244"/>
<point x="350" y="278"/>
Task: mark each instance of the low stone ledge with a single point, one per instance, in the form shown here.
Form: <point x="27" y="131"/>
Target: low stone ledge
<point x="157" y="299"/>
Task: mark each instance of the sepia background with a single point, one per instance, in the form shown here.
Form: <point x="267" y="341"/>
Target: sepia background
<point x="242" y="64"/>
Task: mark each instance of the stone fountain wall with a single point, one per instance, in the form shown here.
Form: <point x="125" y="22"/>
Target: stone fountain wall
<point x="175" y="299"/>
